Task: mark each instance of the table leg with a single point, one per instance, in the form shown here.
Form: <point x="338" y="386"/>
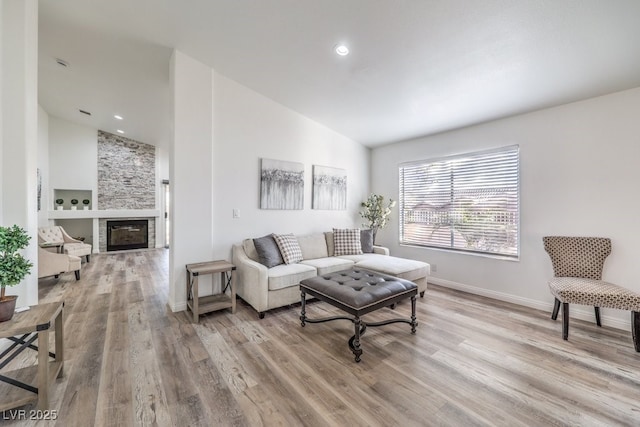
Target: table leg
<point x="59" y="335"/>
<point x="43" y="370"/>
<point x="233" y="291"/>
<point x="194" y="291"/>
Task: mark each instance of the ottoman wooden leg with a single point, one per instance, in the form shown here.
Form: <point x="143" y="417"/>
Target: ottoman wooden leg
<point x="354" y="342"/>
<point x="413" y="315"/>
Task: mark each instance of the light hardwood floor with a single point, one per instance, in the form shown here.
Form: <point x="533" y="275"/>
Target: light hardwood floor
<point x="473" y="361"/>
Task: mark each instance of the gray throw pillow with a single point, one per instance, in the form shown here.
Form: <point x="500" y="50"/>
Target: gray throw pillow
<point x="268" y="252"/>
<point x="366" y="240"/>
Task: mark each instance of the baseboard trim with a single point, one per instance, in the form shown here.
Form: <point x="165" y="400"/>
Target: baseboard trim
<point x="578" y="312"/>
<point x="181" y="306"/>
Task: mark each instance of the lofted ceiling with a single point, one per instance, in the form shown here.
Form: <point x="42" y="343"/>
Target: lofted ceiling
<point x="416" y="67"/>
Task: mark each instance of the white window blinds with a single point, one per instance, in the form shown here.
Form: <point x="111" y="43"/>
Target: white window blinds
<point x="468" y="202"/>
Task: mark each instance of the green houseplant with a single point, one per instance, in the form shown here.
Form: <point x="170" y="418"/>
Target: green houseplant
<point x="377" y="212"/>
<point x="13" y="266"/>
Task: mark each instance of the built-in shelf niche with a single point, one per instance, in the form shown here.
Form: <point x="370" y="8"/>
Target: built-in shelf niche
<point x="68" y="195"/>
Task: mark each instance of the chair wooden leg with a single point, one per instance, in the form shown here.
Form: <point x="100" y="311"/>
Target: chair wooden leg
<point x="635" y="329"/>
<point x="565" y="321"/>
<point x="556" y="308"/>
<point x="598" y="316"/>
<point x="77" y="274"/>
<point x="88" y="259"/>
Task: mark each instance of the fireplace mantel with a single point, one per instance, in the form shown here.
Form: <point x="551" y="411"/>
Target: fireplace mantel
<point x="107" y="213"/>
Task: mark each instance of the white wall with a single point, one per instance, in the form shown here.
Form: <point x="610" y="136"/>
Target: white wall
<point x="248" y="127"/>
<point x="209" y="181"/>
<point x="190" y="170"/>
<point x="43" y="166"/>
<point x="19" y="135"/>
<point x="579" y="176"/>
<point x="73" y="158"/>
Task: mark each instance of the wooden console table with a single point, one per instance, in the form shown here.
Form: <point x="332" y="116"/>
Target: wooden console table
<point x="200" y="305"/>
<point x="23" y="329"/>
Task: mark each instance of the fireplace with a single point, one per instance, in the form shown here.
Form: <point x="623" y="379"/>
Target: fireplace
<point x="127" y="234"/>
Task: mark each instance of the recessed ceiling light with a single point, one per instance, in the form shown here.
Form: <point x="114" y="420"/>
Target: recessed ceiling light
<point x="120" y="131"/>
<point x="342" y="50"/>
<point x="118" y="117"/>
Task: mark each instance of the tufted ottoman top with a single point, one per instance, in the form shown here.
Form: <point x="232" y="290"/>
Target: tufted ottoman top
<point x="359" y="288"/>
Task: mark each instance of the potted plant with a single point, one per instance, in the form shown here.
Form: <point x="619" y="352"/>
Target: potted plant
<point x="74" y="203"/>
<point x="86" y="202"/>
<point x="376" y="212"/>
<point x="60" y="202"/>
<point x="13" y="266"/>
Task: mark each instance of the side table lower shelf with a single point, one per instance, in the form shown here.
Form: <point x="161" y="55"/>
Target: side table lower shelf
<point x="15" y="396"/>
<point x="211" y="303"/>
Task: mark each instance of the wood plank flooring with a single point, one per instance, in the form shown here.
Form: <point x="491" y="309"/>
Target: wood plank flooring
<point x="130" y="361"/>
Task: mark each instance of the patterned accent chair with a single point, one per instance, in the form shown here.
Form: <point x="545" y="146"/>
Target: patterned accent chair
<point x="577" y="267"/>
<point x="71" y="246"/>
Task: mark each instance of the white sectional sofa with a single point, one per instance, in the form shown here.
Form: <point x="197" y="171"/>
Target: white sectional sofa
<point x="267" y="288"/>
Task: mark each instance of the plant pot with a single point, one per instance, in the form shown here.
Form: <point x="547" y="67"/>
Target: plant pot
<point x="86" y="208"/>
<point x="73" y="208"/>
<point x="8" y="307"/>
<point x="60" y="208"/>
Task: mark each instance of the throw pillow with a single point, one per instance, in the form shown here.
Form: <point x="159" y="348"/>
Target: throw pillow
<point x="268" y="251"/>
<point x="347" y="242"/>
<point x="289" y="248"/>
<point x="366" y="240"/>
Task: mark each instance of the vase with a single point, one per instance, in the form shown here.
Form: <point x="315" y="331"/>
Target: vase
<point x="8" y="307"/>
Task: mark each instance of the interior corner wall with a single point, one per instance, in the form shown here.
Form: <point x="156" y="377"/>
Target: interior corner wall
<point x="43" y="168"/>
<point x="190" y="170"/>
<point x="19" y="140"/>
<point x="73" y="158"/>
<point x="249" y="127"/>
<point x="578" y="176"/>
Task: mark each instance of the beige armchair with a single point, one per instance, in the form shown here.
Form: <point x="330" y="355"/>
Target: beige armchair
<point x="53" y="264"/>
<point x="48" y="236"/>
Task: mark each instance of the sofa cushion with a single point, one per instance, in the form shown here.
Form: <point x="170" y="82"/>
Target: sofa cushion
<point x="328" y="235"/>
<point x="250" y="249"/>
<point x="408" y="269"/>
<point x="346" y="241"/>
<point x="289" y="248"/>
<point x="286" y="275"/>
<point x="366" y="241"/>
<point x="328" y="264"/>
<point x="268" y="251"/>
<point x="363" y="257"/>
<point x="313" y="246"/>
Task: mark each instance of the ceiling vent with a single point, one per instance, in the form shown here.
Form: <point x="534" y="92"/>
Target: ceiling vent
<point x="85" y="112"/>
<point x="62" y="62"/>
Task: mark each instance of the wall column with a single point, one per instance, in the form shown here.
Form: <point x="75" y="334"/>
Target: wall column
<point x="190" y="171"/>
<point x="19" y="129"/>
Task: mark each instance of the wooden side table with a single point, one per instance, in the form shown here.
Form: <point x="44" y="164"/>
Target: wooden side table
<point x="200" y="305"/>
<point x="23" y="329"/>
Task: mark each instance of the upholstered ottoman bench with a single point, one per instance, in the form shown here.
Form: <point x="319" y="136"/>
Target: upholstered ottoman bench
<point x="358" y="292"/>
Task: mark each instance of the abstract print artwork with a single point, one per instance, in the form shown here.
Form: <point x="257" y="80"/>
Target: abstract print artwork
<point x="329" y="188"/>
<point x="281" y="185"/>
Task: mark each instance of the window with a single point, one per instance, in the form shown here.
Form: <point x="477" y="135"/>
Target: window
<point x="466" y="203"/>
